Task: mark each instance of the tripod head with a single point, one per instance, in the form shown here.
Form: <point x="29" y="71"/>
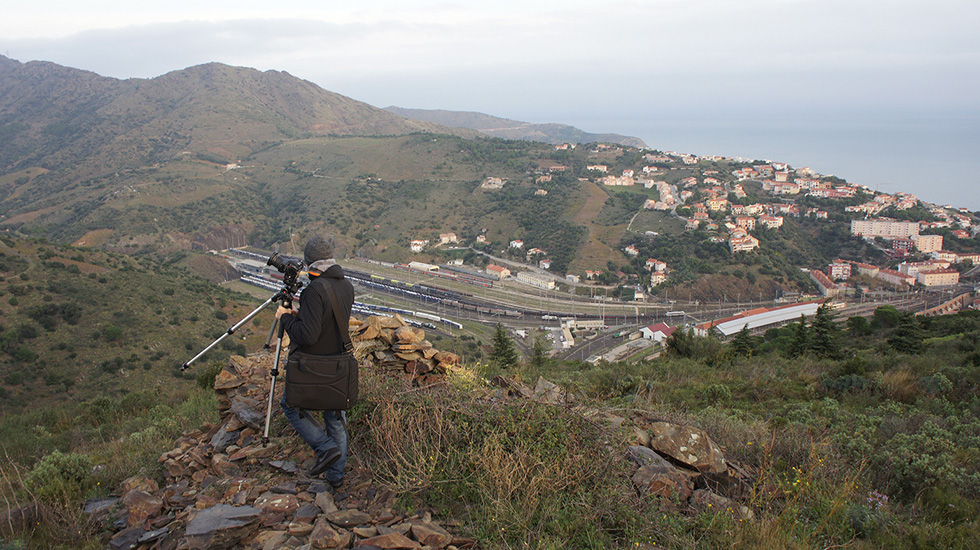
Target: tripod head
<point x="290" y="268"/>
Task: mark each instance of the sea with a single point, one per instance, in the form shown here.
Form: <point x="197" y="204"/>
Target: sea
<point x="935" y="157"/>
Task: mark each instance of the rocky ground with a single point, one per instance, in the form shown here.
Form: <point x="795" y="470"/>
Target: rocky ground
<point x="224" y="488"/>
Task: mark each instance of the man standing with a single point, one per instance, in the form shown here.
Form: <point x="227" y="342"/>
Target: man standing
<point x="315" y="330"/>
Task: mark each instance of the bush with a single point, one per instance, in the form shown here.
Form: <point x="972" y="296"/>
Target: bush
<point x="60" y="477"/>
<point x="205" y="379"/>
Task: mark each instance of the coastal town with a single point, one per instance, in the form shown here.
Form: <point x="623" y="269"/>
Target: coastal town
<point x="716" y="204"/>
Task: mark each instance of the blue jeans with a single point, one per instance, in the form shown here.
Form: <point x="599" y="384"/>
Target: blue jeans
<point x="321" y="439"/>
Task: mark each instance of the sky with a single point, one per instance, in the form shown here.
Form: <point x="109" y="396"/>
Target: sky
<point x="760" y="78"/>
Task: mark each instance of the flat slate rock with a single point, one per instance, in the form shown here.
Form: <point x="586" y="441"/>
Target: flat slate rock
<point x="221" y="526"/>
<point x="348" y="518"/>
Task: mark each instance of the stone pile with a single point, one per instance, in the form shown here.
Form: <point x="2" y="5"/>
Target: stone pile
<point x="398" y="348"/>
<point x="225" y="489"/>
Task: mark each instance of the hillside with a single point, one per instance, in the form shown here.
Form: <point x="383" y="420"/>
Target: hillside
<point x="552" y="133"/>
<point x="78" y="322"/>
<point x="54" y="116"/>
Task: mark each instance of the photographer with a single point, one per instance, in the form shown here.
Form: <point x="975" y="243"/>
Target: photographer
<point x="314" y="329"/>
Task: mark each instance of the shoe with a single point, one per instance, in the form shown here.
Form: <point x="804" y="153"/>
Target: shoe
<point x="324" y="461"/>
<point x="336" y="484"/>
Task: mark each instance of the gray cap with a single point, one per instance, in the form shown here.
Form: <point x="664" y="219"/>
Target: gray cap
<point x="317" y="248"/>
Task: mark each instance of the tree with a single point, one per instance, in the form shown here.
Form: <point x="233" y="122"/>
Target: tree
<point x="825" y="334"/>
<point x="907" y="337"/>
<point x="742" y="343"/>
<point x="799" y="344"/>
<point x="503" y="353"/>
<point x="539" y="351"/>
<point x="858" y="326"/>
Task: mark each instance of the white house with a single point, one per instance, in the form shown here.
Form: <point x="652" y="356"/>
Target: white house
<point x="658" y="332"/>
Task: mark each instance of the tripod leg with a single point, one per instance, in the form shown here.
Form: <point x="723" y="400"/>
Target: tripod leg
<point x="229" y="332"/>
<point x="272" y="388"/>
<point x="272" y="332"/>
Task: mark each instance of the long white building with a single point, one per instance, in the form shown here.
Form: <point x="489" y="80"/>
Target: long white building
<point x="889" y="229"/>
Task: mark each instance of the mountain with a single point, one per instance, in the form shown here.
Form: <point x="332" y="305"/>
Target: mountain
<point x="552" y="133"/>
<point x="55" y="117"/>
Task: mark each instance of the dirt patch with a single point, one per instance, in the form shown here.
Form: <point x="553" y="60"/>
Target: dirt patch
<point x="94" y="239"/>
<point x="595" y="253"/>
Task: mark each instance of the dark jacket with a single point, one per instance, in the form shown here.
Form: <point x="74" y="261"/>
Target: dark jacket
<point x="315" y="329"/>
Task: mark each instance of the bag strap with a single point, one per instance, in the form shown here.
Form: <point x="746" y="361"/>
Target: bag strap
<point x="343" y="321"/>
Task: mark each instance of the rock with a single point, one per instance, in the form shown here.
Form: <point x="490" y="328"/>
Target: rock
<point x="306" y="513"/>
<point x="663" y="480"/>
<point x="141" y="506"/>
<point x="272" y="503"/>
<point x="126" y="539"/>
<point x="325" y="502"/>
<point x="430" y="534"/>
<point x="151" y="536"/>
<point x="249" y="412"/>
<point x="688" y="445"/>
<point x="703" y="499"/>
<point x="221" y="526"/>
<point x="391" y="541"/>
<point x="548" y="392"/>
<point x="642" y="437"/>
<point x="645" y="455"/>
<point x="270" y="540"/>
<point x="98" y="505"/>
<point x="325" y="536"/>
<point x="348" y="518"/>
<point x="368" y="532"/>
<point x="287" y="466"/>
<point x="142" y="483"/>
<point x="227" y="380"/>
<point x="224" y="439"/>
<point x="300" y="529"/>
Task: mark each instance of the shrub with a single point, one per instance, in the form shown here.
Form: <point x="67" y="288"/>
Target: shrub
<point x="60" y="476"/>
<point x="205" y="379"/>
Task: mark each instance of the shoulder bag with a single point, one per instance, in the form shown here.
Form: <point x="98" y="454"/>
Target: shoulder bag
<point x="324" y="382"/>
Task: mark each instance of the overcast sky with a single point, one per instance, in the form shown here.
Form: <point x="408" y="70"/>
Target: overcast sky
<point x="603" y="66"/>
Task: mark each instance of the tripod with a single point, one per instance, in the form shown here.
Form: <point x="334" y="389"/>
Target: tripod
<point x="285" y="297"/>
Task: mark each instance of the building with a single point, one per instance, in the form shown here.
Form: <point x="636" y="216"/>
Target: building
<point x="746" y="222"/>
<point x="517" y="244"/>
<point x="418" y="245"/>
<point x="656" y="265"/>
<point x="498" y="271"/>
<point x="866" y="269"/>
<point x="658" y="332"/>
<point x="826" y="287"/>
<point x="657" y="278"/>
<point x="772" y="222"/>
<point x="743" y="244"/>
<point x="759" y="319"/>
<point x="447" y="238"/>
<point x="903" y="244"/>
<point x="535" y="280"/>
<point x="889" y="229"/>
<point x="839" y="270"/>
<point x="928" y="243"/>
<point x="895" y="278"/>
<point x="938" y="277"/>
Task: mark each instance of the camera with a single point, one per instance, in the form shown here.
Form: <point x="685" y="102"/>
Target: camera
<point x="289" y="267"/>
